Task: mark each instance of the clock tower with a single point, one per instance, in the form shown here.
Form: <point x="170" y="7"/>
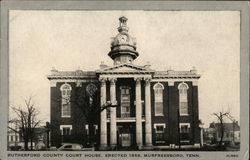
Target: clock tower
<point x="123" y="46"/>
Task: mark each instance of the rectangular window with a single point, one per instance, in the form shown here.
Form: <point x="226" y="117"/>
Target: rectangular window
<point x="65" y="129"/>
<point x="158" y="108"/>
<point x="159" y="133"/>
<point x="184" y="132"/>
<point x="183" y="108"/>
<point x="125" y="101"/>
<point x="66" y="110"/>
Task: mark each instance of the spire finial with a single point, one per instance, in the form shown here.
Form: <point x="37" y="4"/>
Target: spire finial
<point x="123" y="21"/>
<point x="123" y="24"/>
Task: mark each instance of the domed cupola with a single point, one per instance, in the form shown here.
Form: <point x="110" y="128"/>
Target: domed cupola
<point x="123" y="46"/>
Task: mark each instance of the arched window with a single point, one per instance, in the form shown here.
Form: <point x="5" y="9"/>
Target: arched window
<point x="65" y="94"/>
<point x="158" y="91"/>
<point x="183" y="101"/>
<point x="91" y="90"/>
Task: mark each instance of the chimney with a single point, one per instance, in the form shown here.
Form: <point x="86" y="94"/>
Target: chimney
<point x="170" y="70"/>
<point x="102" y="65"/>
<point x="54" y="71"/>
<point x="147" y="65"/>
<point x="193" y="70"/>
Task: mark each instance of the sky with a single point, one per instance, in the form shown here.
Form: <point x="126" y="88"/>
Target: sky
<point x="71" y="40"/>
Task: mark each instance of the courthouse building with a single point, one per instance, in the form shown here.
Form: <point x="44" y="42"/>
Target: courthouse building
<point x="124" y="105"/>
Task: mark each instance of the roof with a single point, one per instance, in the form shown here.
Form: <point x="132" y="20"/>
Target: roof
<point x="227" y="126"/>
<point x="78" y="74"/>
<point x="123" y="68"/>
<point x="176" y="74"/>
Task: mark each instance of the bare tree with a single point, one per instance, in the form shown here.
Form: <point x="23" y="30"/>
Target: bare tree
<point x="221" y="117"/>
<point x="26" y="121"/>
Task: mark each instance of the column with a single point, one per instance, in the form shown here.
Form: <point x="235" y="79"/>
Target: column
<point x="103" y="119"/>
<point x="201" y="128"/>
<point x="148" y="125"/>
<point x="113" y="136"/>
<point x="138" y="113"/>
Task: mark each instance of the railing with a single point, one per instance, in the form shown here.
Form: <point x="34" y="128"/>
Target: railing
<point x="125" y="115"/>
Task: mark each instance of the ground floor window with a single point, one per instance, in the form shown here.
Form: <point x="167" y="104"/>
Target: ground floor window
<point x="184" y="132"/>
<point x="159" y="132"/>
<point x="65" y="129"/>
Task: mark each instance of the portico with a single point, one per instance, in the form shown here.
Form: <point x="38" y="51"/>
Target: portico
<point x="138" y="118"/>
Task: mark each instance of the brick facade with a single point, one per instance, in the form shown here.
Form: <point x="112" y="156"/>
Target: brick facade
<point x="169" y="118"/>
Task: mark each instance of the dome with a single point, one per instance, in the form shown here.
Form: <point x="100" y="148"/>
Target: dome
<point x="123" y="44"/>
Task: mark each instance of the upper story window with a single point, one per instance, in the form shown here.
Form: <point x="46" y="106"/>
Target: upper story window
<point x="65" y="94"/>
<point x="183" y="100"/>
<point x="158" y="93"/>
<point x="91" y="90"/>
<point x="125" y="101"/>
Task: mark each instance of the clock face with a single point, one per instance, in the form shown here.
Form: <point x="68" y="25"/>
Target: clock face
<point x="123" y="38"/>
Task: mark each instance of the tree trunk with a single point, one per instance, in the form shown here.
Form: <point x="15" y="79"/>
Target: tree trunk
<point x="222" y="131"/>
<point x="26" y="146"/>
<point x="31" y="143"/>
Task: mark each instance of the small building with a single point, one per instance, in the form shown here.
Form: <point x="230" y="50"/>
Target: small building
<point x="16" y="141"/>
<point x="124" y="105"/>
<point x="13" y="140"/>
<point x="231" y="132"/>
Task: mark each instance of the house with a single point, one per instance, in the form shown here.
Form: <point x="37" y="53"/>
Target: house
<point x="124" y="105"/>
<point x="13" y="140"/>
<point x="231" y="132"/>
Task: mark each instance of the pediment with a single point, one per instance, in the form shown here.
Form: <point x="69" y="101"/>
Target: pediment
<point x="125" y="68"/>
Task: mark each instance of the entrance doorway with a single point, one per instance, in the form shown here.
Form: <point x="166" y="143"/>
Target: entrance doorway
<point x="126" y="135"/>
<point x="125" y="139"/>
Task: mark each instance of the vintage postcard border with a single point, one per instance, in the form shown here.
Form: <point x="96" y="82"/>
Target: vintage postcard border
<point x="137" y="5"/>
